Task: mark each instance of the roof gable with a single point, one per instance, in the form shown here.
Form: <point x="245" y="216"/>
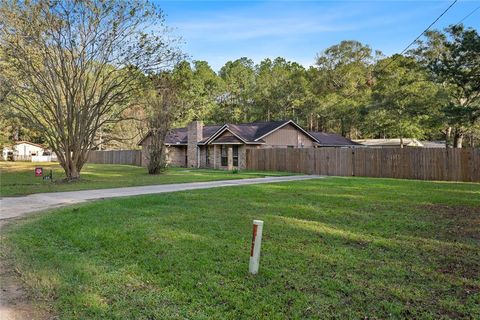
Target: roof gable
<point x="291" y="122"/>
<point x="227" y="137"/>
<point x="28" y="142"/>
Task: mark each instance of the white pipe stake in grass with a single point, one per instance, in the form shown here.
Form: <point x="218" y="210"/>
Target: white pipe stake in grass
<point x="256" y="246"/>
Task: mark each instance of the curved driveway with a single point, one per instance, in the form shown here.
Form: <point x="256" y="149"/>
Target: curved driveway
<point x="13" y="207"/>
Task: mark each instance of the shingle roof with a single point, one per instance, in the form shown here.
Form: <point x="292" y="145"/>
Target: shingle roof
<point x="252" y="133"/>
<point x="332" y="139"/>
<point x="179" y="135"/>
<point x="248" y="132"/>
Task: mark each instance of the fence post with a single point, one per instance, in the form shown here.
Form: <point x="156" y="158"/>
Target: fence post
<point x="256" y="246"/>
<point x="353" y="162"/>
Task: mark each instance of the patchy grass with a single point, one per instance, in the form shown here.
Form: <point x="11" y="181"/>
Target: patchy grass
<point x="18" y="178"/>
<point x="345" y="248"/>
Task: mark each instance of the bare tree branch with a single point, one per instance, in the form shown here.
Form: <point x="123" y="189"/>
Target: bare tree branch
<point x="78" y="65"/>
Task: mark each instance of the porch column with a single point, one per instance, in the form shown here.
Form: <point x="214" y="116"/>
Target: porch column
<point x="230" y="157"/>
<point x="215" y="157"/>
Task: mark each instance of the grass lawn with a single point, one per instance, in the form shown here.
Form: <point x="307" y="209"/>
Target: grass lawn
<point x="346" y="248"/>
<point x="18" y="178"/>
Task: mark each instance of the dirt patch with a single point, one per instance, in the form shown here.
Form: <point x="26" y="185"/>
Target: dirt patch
<point x="460" y="221"/>
<point x="15" y="302"/>
<point x="458" y="225"/>
<point x="464" y="269"/>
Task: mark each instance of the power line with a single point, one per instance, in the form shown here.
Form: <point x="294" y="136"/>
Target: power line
<point x="428" y="28"/>
<point x="467" y="16"/>
<point x="423" y="32"/>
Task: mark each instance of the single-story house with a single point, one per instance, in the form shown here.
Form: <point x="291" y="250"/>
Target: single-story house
<point x="22" y="150"/>
<point x="224" y="146"/>
<point x="389" y="143"/>
<point x="434" y="144"/>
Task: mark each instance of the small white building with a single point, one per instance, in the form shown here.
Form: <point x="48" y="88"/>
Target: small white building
<point x="23" y="150"/>
<point x="390" y="143"/>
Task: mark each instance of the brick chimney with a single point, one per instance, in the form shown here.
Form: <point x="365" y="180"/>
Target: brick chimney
<point x="194" y="135"/>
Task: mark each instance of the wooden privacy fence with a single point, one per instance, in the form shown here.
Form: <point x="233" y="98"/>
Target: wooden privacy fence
<point x="132" y="157"/>
<point x="402" y="163"/>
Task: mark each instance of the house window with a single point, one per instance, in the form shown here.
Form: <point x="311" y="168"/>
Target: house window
<point x="224" y="156"/>
<point x="235" y="156"/>
<point x="207" y="156"/>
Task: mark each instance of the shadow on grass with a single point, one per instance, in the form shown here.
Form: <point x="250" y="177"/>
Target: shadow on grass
<point x="332" y="248"/>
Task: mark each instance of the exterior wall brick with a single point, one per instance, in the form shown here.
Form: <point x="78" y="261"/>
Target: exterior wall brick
<point x="211" y="156"/>
<point x="175" y="155"/>
<point x="242" y="157"/>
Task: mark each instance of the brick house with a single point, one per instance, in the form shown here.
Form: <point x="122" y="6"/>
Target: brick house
<point x="224" y="146"/>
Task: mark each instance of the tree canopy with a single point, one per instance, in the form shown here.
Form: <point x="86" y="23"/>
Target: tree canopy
<point x="73" y="66"/>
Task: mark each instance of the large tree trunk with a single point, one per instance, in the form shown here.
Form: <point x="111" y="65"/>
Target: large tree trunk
<point x="458" y="135"/>
<point x="156" y="152"/>
<point x="73" y="173"/>
<point x="165" y="107"/>
<point x="343" y="127"/>
<point x="72" y="163"/>
<point x="458" y="140"/>
<point x="448" y="134"/>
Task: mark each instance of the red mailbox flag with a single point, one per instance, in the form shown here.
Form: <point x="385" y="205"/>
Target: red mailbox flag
<point x="38" y="171"/>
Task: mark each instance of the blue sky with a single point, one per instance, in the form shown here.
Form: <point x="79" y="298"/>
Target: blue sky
<point x="218" y="31"/>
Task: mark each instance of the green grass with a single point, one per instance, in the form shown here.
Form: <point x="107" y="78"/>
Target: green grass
<point x="18" y="178"/>
<point x="345" y="248"/>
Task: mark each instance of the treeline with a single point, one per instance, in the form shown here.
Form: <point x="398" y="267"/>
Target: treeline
<point x="432" y="92"/>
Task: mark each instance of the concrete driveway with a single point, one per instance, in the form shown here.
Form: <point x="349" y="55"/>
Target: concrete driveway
<point x="14" y="207"/>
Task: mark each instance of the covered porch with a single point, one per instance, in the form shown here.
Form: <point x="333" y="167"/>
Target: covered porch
<point x="223" y="156"/>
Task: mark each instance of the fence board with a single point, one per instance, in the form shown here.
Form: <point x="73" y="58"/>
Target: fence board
<point x="402" y="163"/>
<point x="131" y="157"/>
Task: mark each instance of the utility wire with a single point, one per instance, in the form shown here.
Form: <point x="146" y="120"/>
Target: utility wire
<point x="428" y="28"/>
<point x="467" y="16"/>
<point x="423" y="32"/>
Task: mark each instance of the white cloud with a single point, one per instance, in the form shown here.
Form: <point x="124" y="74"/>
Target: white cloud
<point x="266" y="21"/>
<point x="270" y="21"/>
